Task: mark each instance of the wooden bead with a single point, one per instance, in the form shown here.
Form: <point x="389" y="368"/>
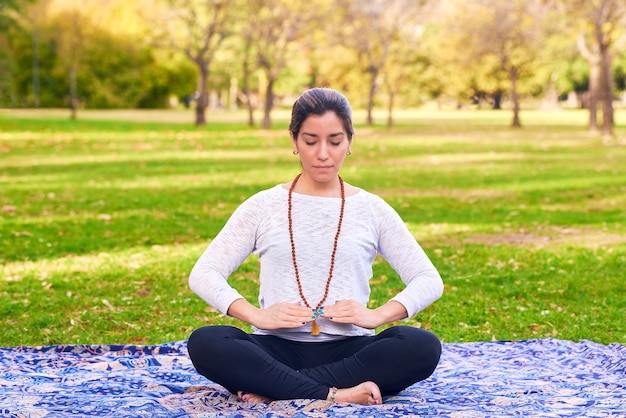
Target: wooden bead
<point x="314" y="327"/>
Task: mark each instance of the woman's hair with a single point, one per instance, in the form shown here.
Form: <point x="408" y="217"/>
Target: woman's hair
<point x="318" y="101"/>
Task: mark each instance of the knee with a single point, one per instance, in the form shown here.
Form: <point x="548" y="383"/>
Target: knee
<point x="430" y="351"/>
<point x="427" y="340"/>
<point x="416" y="354"/>
<point x="197" y="341"/>
<point x="423" y="346"/>
<point x="203" y="342"/>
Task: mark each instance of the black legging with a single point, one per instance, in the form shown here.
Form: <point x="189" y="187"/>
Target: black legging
<point x="282" y="369"/>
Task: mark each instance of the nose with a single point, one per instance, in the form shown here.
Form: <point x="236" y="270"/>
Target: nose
<point x="322" y="153"/>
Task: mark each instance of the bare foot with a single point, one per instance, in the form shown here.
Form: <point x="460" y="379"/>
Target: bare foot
<point x="252" y="397"/>
<point x="367" y="393"/>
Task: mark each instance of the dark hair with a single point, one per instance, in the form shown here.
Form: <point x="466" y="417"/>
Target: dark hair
<point x="318" y="101"/>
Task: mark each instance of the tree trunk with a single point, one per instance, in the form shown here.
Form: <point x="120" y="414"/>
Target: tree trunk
<point x="551" y="98"/>
<point x="606" y="89"/>
<point x="515" y="98"/>
<point x="269" y="103"/>
<point x="594" y="78"/>
<point x="202" y="94"/>
<point x="246" y="84"/>
<point x="372" y="93"/>
<point x="497" y="100"/>
<point x="249" y="105"/>
<point x="36" y="66"/>
<point x="250" y="111"/>
<point x="73" y="92"/>
<point x="233" y="93"/>
<point x="390" y="109"/>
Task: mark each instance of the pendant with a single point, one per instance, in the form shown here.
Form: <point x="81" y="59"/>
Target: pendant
<point x="315" y="329"/>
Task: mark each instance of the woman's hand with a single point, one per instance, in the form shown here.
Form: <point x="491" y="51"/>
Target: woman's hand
<point x="352" y="312"/>
<point x="282" y="315"/>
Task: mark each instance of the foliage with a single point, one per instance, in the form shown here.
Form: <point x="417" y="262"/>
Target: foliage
<point x="620" y="73"/>
<point x="197" y="29"/>
<point x="7" y="69"/>
<point x="102" y="220"/>
<point x="9" y="9"/>
<point x="273" y="30"/>
<point x="128" y="78"/>
<point x="382" y="53"/>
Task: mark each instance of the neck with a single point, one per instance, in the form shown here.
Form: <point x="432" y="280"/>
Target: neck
<point x="306" y="185"/>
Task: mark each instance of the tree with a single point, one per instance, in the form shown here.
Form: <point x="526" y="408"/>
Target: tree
<point x="272" y="29"/>
<point x="406" y="61"/>
<point x="503" y="35"/>
<point x="127" y="75"/>
<point x="197" y="28"/>
<point x="384" y="37"/>
<point x="71" y="23"/>
<point x="368" y="29"/>
<point x="600" y="24"/>
<point x="247" y="36"/>
<point x="13" y="19"/>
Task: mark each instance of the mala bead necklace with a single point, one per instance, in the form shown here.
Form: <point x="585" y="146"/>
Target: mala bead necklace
<point x="317" y="310"/>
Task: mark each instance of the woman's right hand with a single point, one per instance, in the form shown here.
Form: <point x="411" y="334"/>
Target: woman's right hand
<point x="282" y="315"/>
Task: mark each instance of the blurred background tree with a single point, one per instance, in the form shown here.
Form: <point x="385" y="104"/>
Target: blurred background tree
<point x="217" y="55"/>
<point x="600" y="25"/>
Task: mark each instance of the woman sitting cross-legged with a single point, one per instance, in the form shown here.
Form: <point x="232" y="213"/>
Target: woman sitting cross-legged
<point x="316" y="238"/>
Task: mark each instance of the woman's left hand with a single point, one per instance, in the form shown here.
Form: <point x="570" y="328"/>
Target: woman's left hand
<point x="350" y="311"/>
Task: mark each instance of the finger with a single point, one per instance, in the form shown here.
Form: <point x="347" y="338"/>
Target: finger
<point x="337" y="311"/>
<point x="303" y="313"/>
<point x="289" y="311"/>
<point x="296" y="309"/>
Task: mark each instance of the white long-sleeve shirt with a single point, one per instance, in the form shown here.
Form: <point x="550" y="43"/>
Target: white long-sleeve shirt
<point x="260" y="226"/>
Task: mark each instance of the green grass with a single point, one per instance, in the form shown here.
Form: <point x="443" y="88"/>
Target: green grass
<point x="102" y="219"/>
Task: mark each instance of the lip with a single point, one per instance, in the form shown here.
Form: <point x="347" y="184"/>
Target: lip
<point x="323" y="167"/>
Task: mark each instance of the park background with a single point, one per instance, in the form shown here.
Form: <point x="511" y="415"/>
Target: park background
<point x="131" y="130"/>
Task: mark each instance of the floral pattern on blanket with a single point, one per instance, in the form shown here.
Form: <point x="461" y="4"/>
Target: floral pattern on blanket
<point x="546" y="377"/>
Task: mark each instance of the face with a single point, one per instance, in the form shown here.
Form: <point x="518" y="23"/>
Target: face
<point x="322" y="144"/>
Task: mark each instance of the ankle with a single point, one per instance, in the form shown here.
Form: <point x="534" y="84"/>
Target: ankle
<point x="332" y="392"/>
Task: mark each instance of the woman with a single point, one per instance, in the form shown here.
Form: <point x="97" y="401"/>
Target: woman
<point x="316" y="238"/>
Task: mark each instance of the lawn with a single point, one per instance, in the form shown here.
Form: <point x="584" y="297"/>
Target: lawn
<point x="101" y="220"/>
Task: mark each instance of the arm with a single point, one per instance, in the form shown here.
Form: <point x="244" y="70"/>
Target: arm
<point x="235" y="242"/>
<point x="232" y="245"/>
<point x="398" y="246"/>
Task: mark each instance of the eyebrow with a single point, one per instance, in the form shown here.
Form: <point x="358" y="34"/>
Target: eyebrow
<point x="333" y="135"/>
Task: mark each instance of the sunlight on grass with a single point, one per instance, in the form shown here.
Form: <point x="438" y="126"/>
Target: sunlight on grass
<point x="597" y="181"/>
<point x="101" y="220"/>
<point x="431" y="230"/>
<point x="464" y="158"/>
<point x="144" y="157"/>
<point x="100" y="263"/>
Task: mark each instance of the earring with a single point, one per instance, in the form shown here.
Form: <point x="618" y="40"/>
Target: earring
<point x="349" y="152"/>
<point x="295" y="152"/>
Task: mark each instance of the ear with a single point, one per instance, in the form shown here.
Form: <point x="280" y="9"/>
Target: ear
<point x="294" y="142"/>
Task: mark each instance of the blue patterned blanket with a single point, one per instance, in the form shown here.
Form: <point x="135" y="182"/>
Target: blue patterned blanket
<point x="546" y="377"/>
